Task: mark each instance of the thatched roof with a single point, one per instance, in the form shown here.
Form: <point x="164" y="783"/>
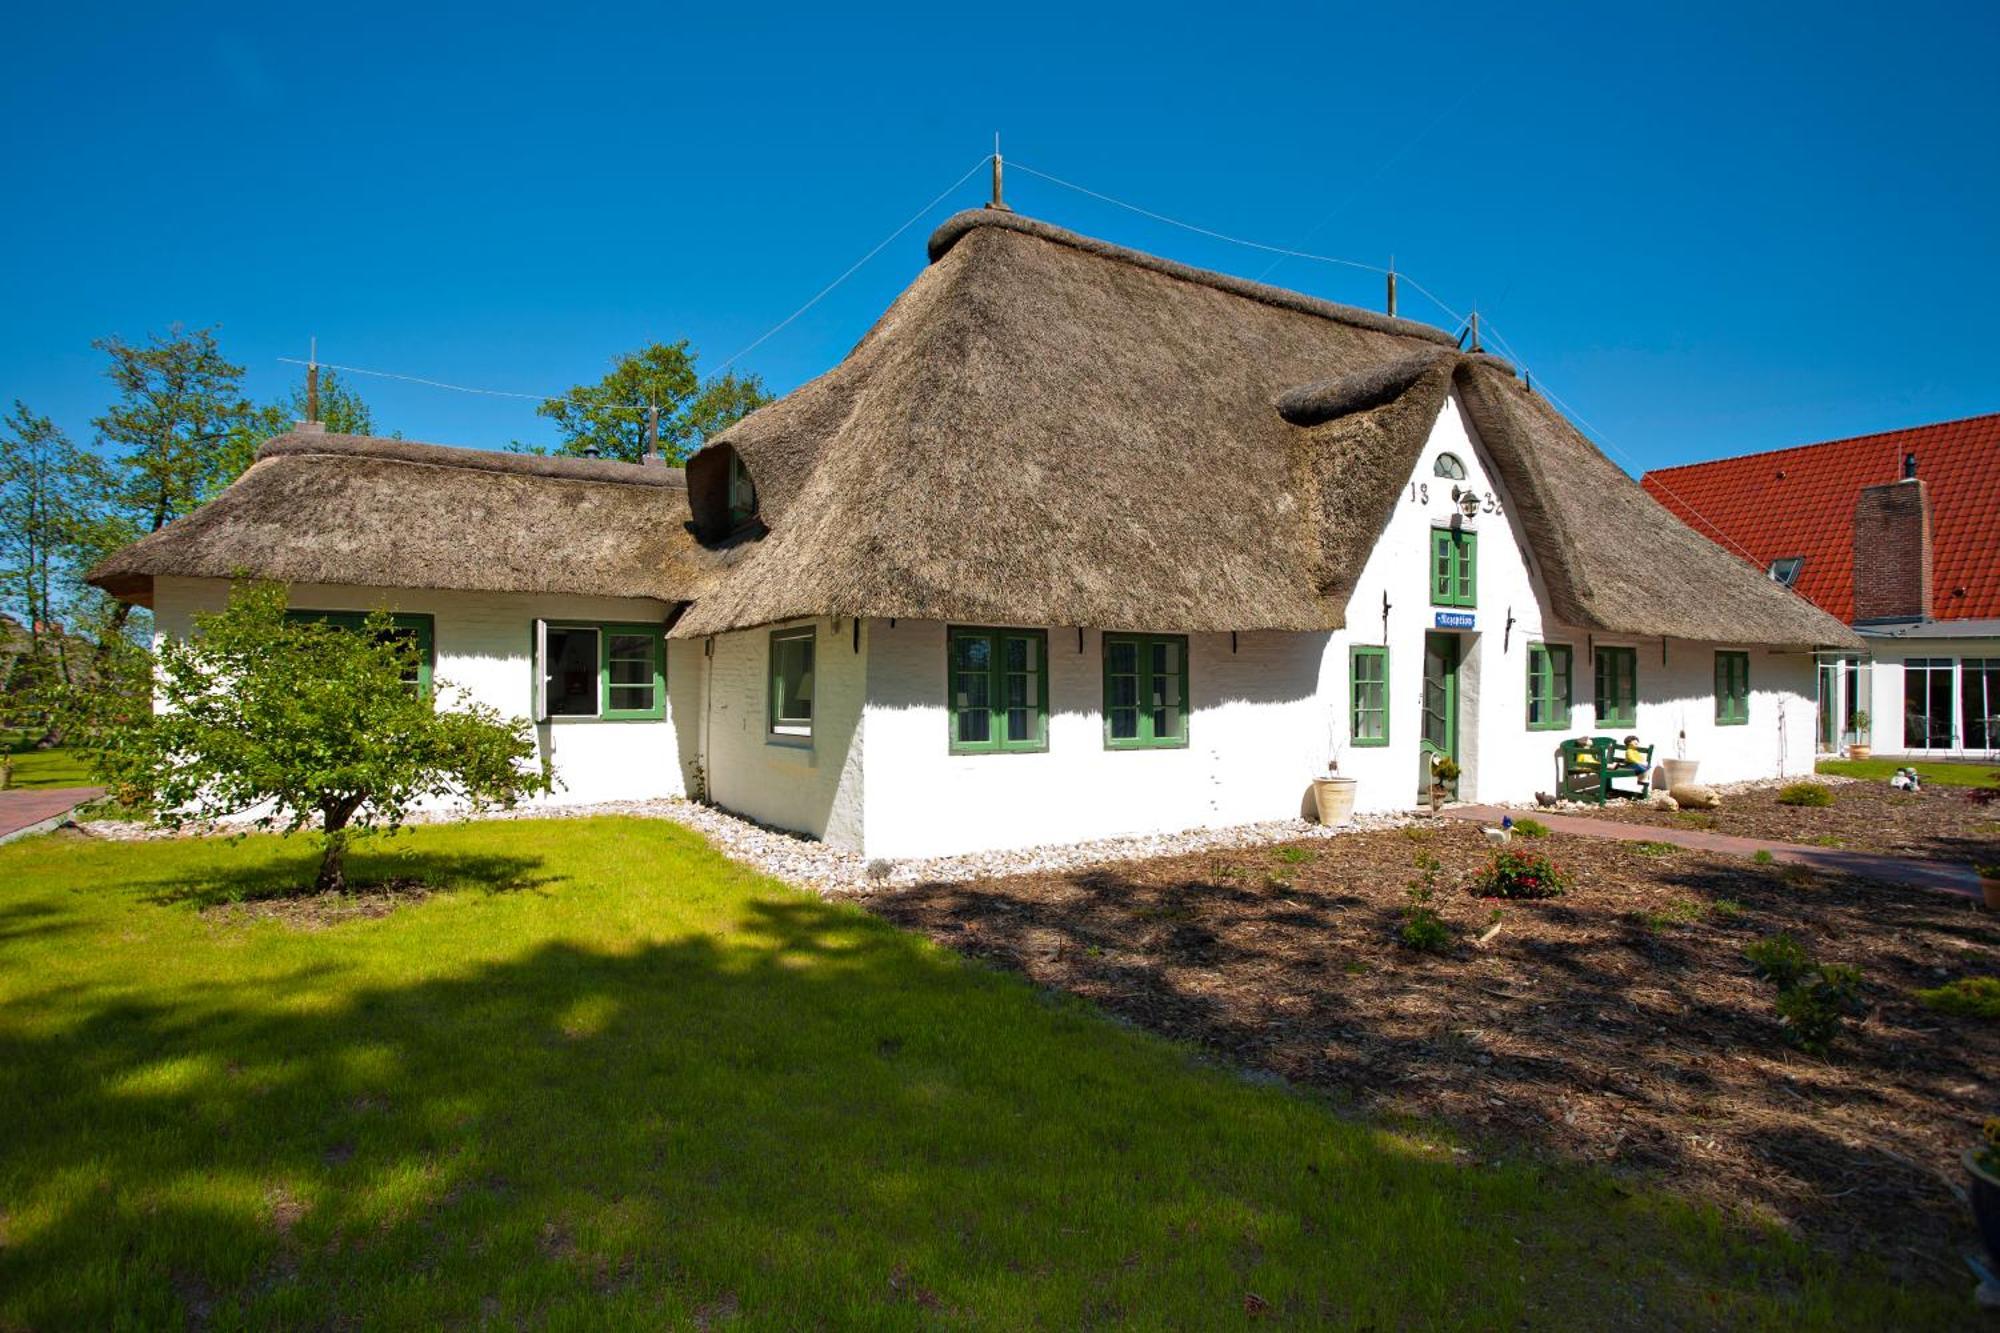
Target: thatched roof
<point x="1046" y="429"/>
<point x="319" y="508"/>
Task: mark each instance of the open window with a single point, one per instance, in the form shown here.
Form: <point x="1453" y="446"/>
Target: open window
<point x="1785" y="570"/>
<point x="614" y="673"/>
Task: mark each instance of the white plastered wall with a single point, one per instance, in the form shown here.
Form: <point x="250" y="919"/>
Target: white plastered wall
<point x="808" y="785"/>
<point x="484" y="645"/>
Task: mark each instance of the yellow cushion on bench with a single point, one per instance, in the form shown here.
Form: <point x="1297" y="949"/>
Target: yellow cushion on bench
<point x="1586" y="759"/>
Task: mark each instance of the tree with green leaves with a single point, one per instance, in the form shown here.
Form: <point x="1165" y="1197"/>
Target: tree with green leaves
<point x="55" y="522"/>
<point x="609" y="418"/>
<point x="179" y="405"/>
<point x="294" y="722"/>
<point x="342" y="411"/>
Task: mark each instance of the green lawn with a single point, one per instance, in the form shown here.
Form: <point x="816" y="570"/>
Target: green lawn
<point x="606" y="1077"/>
<point x="1935" y="772"/>
<point x="49" y="768"/>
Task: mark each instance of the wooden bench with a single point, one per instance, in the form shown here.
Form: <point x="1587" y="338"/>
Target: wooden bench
<point x="1586" y="768"/>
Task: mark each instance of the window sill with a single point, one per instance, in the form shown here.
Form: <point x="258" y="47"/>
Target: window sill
<point x="1382" y="744"/>
<point x="1145" y="745"/>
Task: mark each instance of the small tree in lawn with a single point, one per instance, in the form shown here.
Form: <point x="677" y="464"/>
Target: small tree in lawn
<point x="310" y="724"/>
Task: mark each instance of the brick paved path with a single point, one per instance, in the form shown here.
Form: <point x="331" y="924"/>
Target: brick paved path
<point x="1939" y="875"/>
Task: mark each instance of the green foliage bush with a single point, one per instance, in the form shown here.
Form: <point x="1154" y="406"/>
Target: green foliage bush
<point x="1811" y="795"/>
<point x="1522" y="874"/>
<point x="1530" y="828"/>
<point x="1779" y="959"/>
<point x="1968" y="997"/>
<point x="1814" y="999"/>
<point x="1814" y="1010"/>
<point x="1423" y="929"/>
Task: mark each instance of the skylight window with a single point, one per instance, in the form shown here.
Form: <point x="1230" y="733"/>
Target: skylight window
<point x="1785" y="570"/>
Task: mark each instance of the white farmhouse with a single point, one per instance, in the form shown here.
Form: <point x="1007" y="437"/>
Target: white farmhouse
<point x="1075" y="542"/>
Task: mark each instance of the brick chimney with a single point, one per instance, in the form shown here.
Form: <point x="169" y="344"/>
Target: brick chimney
<point x="1892" y="551"/>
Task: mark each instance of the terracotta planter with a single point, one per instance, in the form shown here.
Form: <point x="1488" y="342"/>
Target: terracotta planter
<point x="1985" y="1203"/>
<point x="1860" y="751"/>
<point x="1334" y="799"/>
<point x="1680" y="772"/>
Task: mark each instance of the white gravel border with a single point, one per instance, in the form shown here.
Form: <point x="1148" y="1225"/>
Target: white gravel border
<point x="814" y="865"/>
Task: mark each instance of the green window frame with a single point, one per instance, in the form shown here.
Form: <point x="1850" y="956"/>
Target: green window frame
<point x="1454" y="573"/>
<point x="997" y="689"/>
<point x="1732" y="689"/>
<point x="1368" y="695"/>
<point x="789" y="705"/>
<point x="631" y="671"/>
<point x="421" y="627"/>
<point x="1549" y="686"/>
<point x="1145" y="691"/>
<point x="1617" y="686"/>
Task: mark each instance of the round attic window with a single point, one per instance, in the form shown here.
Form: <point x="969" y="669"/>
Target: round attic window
<point x="1449" y="466"/>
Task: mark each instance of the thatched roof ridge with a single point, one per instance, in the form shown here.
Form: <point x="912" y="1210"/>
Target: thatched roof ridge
<point x="1611" y="557"/>
<point x="959" y="225"/>
<point x="487" y="460"/>
<point x="377" y="513"/>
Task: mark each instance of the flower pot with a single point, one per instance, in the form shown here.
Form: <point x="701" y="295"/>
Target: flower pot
<point x="1985" y="1202"/>
<point x="1860" y="751"/>
<point x="1334" y="799"/>
<point x="1680" y="772"/>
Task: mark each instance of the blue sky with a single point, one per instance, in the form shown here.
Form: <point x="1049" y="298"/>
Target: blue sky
<point x="1708" y="231"/>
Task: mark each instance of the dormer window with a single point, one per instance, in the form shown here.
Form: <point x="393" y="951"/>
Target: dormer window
<point x="742" y="493"/>
<point x="1785" y="570"/>
<point x="1449" y="466"/>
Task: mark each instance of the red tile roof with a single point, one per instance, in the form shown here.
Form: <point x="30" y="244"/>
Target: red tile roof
<point x="1800" y="502"/>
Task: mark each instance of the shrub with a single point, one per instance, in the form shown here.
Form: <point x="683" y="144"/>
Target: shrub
<point x="1779" y="959"/>
<point x="1530" y="828"/>
<point x="1295" y="855"/>
<point x="1694" y="819"/>
<point x="1653" y="848"/>
<point x="1814" y="999"/>
<point x="1813" y="1010"/>
<point x="1512" y="874"/>
<point x="1968" y="997"/>
<point x="1423" y="929"/>
<point x="1814" y="795"/>
<point x="1764" y="857"/>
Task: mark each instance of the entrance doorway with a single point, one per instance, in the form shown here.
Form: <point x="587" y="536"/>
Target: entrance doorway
<point x="1440" y="730"/>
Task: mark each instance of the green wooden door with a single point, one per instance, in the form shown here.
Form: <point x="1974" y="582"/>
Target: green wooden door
<point x="1440" y="728"/>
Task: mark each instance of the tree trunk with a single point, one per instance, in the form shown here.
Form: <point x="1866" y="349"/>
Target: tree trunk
<point x="333" y="860"/>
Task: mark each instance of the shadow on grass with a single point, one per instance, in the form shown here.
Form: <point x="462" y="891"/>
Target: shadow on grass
<point x="803" y="1117"/>
<point x="293" y="877"/>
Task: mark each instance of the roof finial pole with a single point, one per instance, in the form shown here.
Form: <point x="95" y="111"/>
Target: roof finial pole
<point x="652" y="451"/>
<point x="1475" y="330"/>
<point x="312" y="380"/>
<point x="1392" y="286"/>
<point x="997" y="201"/>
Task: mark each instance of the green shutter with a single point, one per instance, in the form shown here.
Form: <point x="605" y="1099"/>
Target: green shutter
<point x="1454" y="570"/>
<point x="1617" y="686"/>
<point x="1732" y="689"/>
<point x="997" y="690"/>
<point x="1145" y="691"/>
<point x="1548" y="686"/>
<point x="1368" y="696"/>
<point x="632" y="672"/>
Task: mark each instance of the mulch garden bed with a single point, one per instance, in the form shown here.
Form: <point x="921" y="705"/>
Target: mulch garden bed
<point x="1618" y="1024"/>
<point x="1939" y="824"/>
